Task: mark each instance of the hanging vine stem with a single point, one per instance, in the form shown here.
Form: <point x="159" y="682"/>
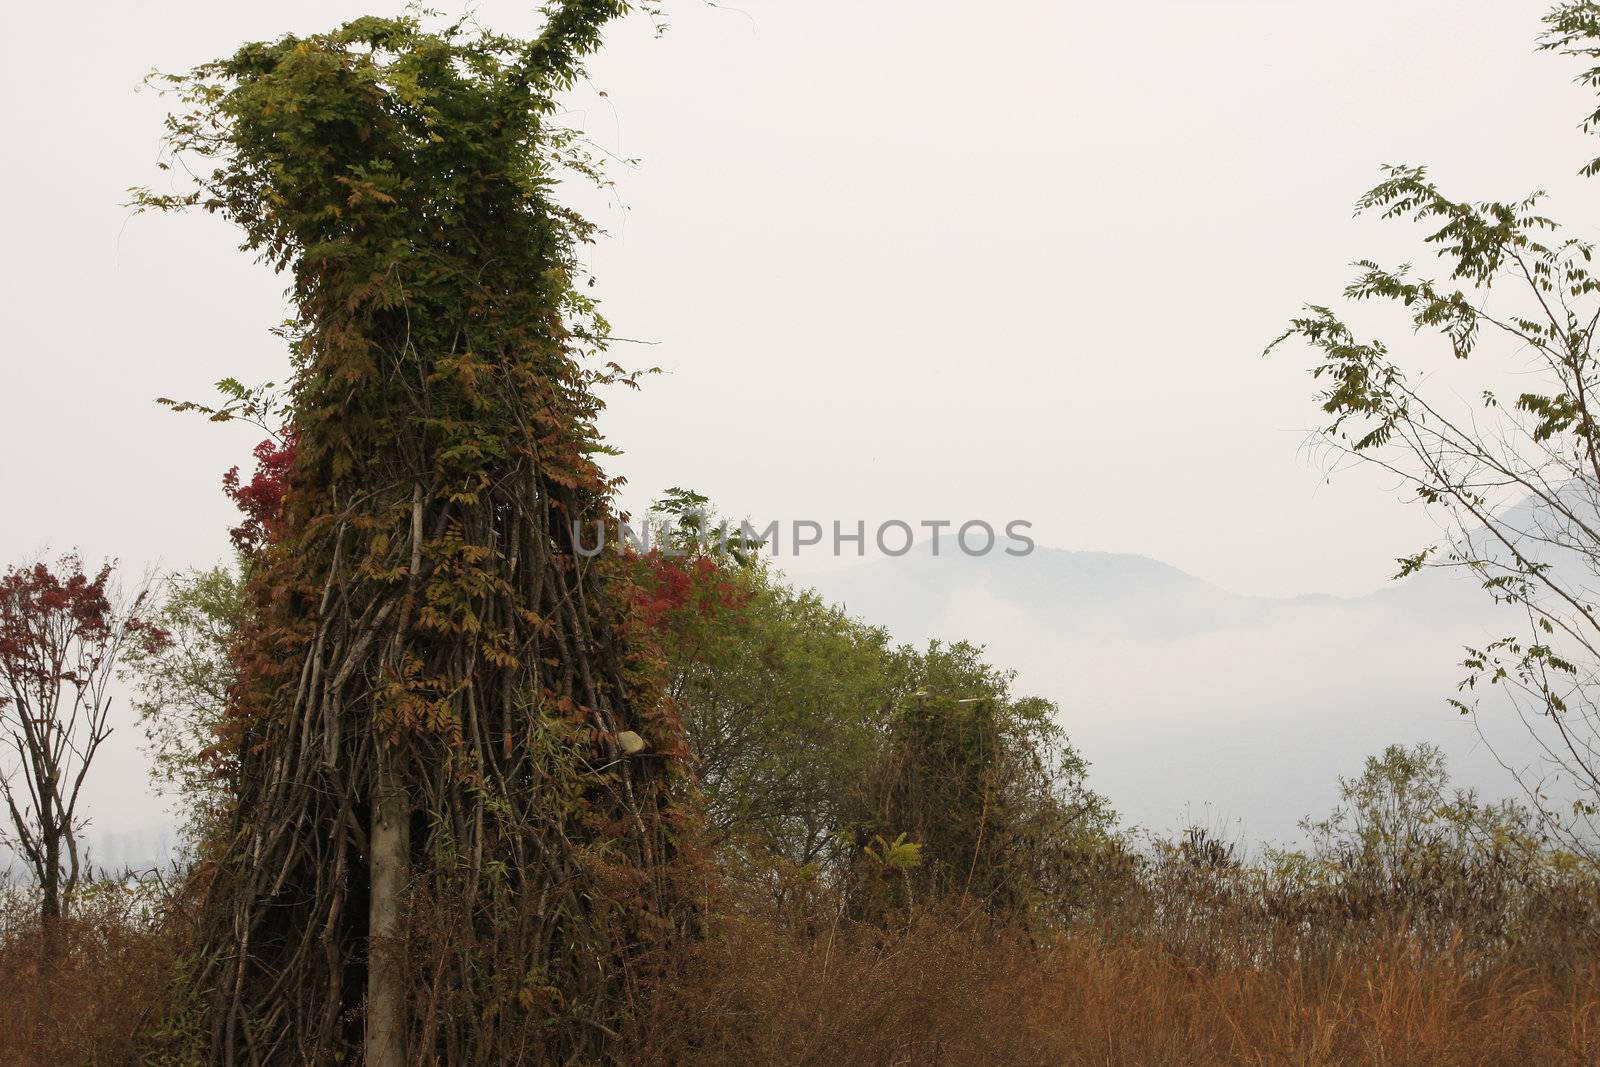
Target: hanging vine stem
<point x="433" y="685"/>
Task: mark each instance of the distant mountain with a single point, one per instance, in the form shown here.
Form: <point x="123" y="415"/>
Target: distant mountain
<point x="1195" y="703"/>
<point x="1098" y="592"/>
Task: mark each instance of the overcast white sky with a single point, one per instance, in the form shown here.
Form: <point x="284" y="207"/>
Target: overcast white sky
<point x="912" y="260"/>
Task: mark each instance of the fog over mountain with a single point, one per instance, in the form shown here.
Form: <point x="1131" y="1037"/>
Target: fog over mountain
<point x="1197" y="704"/>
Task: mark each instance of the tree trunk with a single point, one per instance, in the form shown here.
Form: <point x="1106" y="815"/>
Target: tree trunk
<point x="390" y="870"/>
<point x="50" y="894"/>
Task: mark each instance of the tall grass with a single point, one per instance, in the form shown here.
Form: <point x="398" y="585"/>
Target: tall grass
<point x="1177" y="971"/>
<point x="107" y="988"/>
<point x="951" y="989"/>
<point x="1417" y="928"/>
<point x="1393" y="950"/>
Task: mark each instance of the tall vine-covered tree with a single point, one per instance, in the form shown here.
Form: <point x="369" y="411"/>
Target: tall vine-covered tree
<point x="438" y="848"/>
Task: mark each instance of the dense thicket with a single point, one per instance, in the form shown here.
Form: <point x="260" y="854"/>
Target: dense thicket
<point x="436" y="836"/>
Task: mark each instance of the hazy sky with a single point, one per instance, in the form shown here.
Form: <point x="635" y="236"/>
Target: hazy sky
<point x="899" y="259"/>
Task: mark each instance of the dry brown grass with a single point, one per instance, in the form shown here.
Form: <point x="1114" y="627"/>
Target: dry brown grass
<point x="954" y="992"/>
<point x="953" y="988"/>
<point x="108" y="983"/>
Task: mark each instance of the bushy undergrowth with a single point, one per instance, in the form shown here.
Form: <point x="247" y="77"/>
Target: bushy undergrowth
<point x="1183" y="954"/>
<point x="1185" y="957"/>
<point x="100" y="1001"/>
<point x="1415" y="926"/>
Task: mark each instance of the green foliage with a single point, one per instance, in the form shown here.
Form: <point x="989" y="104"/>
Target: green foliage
<point x="182" y="691"/>
<point x="261" y="406"/>
<point x="1399" y="823"/>
<point x="823" y="745"/>
<point x="1516" y="485"/>
<point x="896" y="855"/>
<point x="1573" y="29"/>
<point x="365" y="160"/>
<point x="782" y="696"/>
<point x="1404" y="848"/>
<point x="988" y="788"/>
<point x="691" y="527"/>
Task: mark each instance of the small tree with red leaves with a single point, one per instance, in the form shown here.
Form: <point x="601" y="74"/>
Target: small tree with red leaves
<point x="261" y="497"/>
<point x="61" y="633"/>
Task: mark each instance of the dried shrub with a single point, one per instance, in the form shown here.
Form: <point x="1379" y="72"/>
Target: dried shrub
<point x="95" y="1004"/>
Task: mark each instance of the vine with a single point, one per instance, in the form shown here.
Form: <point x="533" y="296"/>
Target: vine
<point x="438" y="845"/>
